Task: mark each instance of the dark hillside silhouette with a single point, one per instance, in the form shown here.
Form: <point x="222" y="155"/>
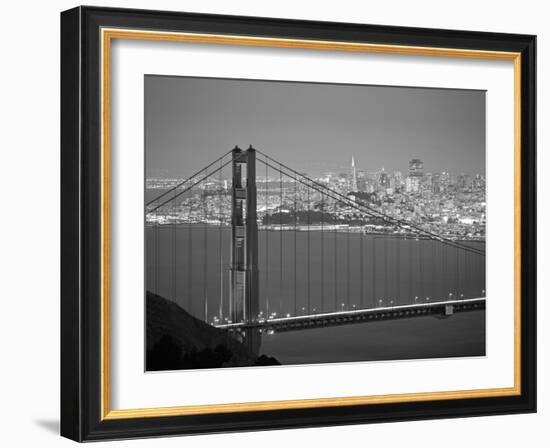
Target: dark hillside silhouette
<point x="176" y="340"/>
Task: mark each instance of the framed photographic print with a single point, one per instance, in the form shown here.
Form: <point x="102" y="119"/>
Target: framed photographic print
<point x="272" y="223"/>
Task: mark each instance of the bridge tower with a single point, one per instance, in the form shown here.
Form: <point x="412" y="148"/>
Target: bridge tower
<point x="244" y="302"/>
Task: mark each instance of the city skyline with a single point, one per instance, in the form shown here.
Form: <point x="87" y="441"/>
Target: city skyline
<point x="313" y="127"/>
<point x="441" y="202"/>
<point x="341" y="171"/>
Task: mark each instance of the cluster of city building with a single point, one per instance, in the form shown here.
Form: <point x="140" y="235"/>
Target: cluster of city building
<point x="450" y="205"/>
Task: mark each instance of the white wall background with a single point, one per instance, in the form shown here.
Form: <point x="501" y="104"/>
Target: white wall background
<point x="29" y="235"/>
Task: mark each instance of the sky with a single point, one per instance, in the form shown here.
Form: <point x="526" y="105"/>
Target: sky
<point x="311" y="127"/>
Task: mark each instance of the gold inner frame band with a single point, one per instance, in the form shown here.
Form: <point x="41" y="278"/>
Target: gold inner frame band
<point x="107" y="35"/>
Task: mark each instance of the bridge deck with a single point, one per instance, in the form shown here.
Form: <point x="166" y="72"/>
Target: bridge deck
<point x="443" y="308"/>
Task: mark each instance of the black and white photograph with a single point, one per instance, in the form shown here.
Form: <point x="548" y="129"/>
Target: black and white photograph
<point x="302" y="223"/>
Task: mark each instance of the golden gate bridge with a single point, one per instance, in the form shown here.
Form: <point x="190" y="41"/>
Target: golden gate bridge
<point x="295" y="254"/>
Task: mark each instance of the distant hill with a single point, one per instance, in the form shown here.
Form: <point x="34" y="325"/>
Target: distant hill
<point x="177" y="340"/>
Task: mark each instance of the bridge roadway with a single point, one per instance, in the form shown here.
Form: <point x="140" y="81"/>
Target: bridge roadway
<point x="438" y="309"/>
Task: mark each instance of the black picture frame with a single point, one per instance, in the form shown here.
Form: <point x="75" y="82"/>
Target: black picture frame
<point x="81" y="224"/>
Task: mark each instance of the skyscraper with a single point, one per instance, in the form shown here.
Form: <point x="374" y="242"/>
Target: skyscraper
<point x="416" y="168"/>
<point x="383" y="179"/>
<point x="353" y="175"/>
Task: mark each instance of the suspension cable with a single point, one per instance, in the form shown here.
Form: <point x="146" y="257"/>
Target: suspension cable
<point x="281" y="242"/>
<point x="308" y="255"/>
<point x="335" y="263"/>
<point x="174" y="253"/>
<point x="188" y="179"/>
<point x="361" y="298"/>
<point x="266" y="244"/>
<point x="421" y="267"/>
<point x="220" y="240"/>
<point x="322" y="253"/>
<point x="347" y="270"/>
<point x="157" y="261"/>
<point x="190" y="266"/>
<point x="409" y="267"/>
<point x="205" y="259"/>
<point x="295" y="248"/>
<point x="374" y="291"/>
<point x="185" y="190"/>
